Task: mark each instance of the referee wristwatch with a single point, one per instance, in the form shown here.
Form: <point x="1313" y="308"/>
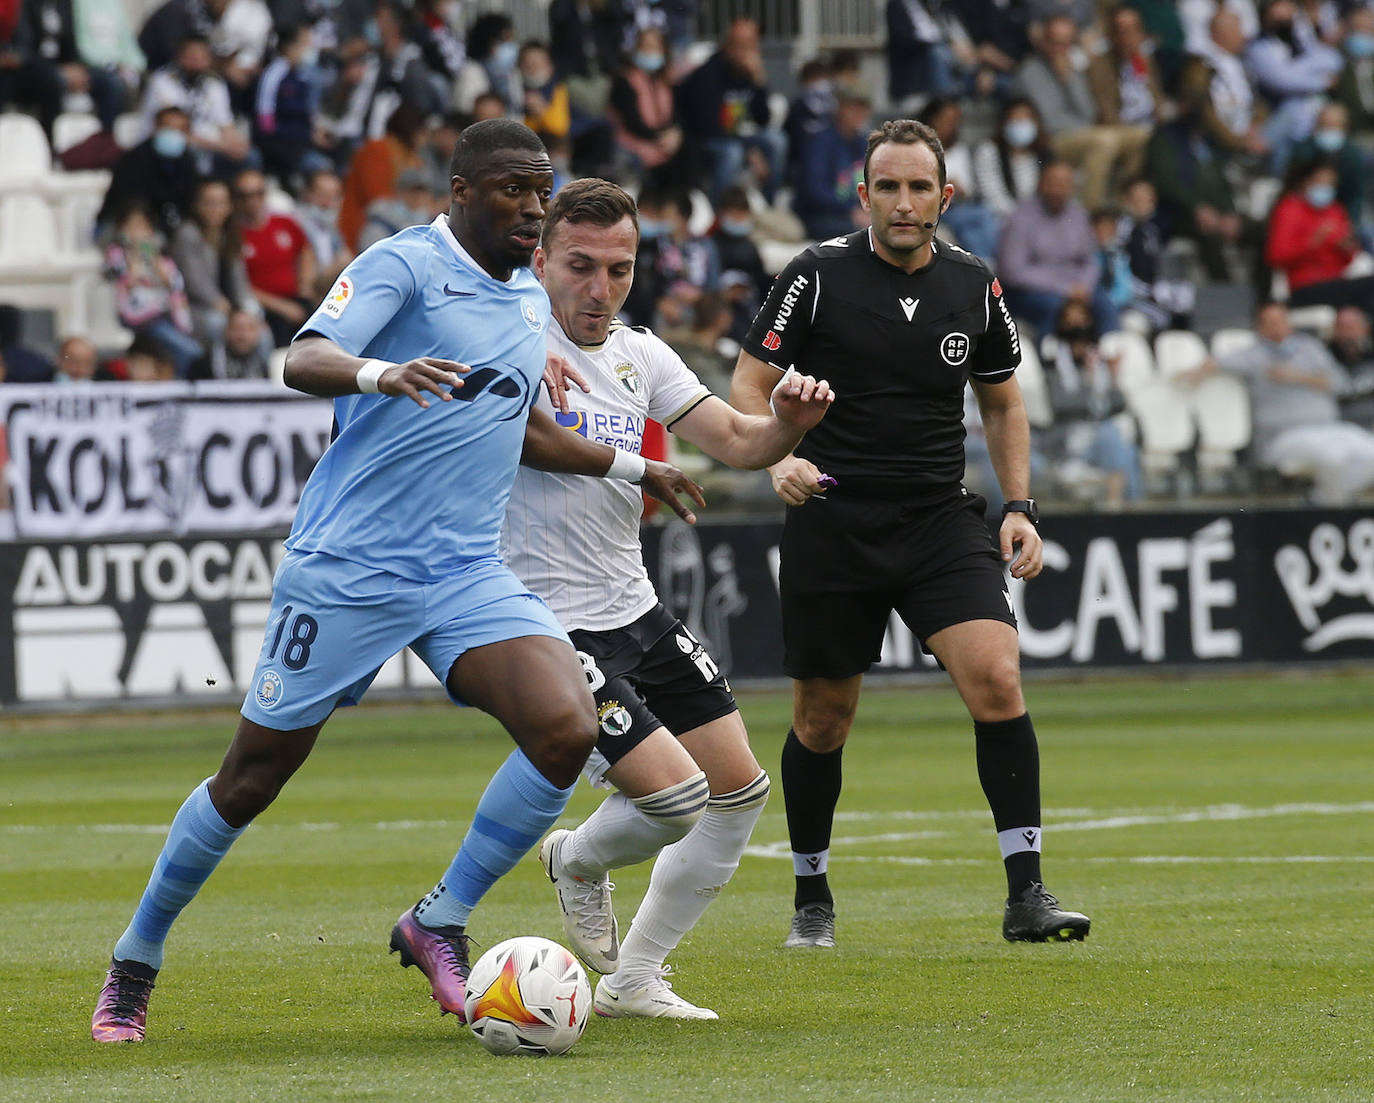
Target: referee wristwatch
<point x="1023" y="505"/>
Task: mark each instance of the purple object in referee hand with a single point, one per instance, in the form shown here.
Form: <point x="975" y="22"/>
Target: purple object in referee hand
<point x="827" y="482"/>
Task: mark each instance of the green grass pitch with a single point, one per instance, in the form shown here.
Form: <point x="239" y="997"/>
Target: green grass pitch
<point x="1220" y="832"/>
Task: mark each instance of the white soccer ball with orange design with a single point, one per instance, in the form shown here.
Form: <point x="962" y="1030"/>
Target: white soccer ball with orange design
<point x="528" y="995"/>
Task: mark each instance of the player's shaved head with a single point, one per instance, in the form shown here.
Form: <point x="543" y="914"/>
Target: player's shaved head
<point x="472" y="154"/>
<point x="592" y="201"/>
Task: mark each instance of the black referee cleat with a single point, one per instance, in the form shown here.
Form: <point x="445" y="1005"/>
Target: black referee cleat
<point x="1037" y="917"/>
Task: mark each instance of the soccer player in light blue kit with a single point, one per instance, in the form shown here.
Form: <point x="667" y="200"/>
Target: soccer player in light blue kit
<point x="432" y="344"/>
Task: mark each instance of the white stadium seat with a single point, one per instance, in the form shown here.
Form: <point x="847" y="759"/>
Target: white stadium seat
<point x="28" y="231"/>
<point x="128" y="129"/>
<point x="1226" y="342"/>
<point x="1135" y="361"/>
<point x="1178" y="351"/>
<point x="1163" y="412"/>
<point x="1221" y="410"/>
<point x="26" y="154"/>
<point x="72" y="128"/>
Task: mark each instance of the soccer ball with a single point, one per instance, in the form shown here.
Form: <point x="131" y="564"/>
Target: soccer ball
<point x="528" y="995"/>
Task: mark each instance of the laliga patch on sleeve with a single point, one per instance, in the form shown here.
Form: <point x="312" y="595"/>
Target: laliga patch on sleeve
<point x="340" y="295"/>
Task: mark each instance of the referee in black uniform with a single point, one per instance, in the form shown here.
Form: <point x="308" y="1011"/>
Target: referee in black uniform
<point x="900" y="322"/>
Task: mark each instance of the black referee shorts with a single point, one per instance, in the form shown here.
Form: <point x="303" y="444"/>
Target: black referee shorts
<point x="848" y="563"/>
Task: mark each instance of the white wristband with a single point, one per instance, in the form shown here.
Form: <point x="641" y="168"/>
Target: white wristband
<point x="370" y="373"/>
<point x="626" y="465"/>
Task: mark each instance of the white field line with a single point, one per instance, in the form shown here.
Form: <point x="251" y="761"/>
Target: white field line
<point x="1220" y="813"/>
<point x="1057" y="820"/>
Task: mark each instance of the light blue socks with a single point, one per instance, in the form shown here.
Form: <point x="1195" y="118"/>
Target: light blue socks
<point x="518" y="806"/>
<point x="196" y="842"/>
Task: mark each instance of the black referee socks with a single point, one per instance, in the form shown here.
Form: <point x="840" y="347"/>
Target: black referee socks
<point x="811" y="790"/>
<point x="1009" y="771"/>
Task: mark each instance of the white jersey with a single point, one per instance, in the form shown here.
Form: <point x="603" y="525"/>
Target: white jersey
<point x="574" y="539"/>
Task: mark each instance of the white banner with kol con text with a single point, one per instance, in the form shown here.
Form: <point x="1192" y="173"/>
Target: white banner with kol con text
<point x="120" y="459"/>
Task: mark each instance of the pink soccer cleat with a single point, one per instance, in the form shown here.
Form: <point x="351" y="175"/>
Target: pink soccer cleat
<point x="121" y="1013"/>
<point x="442" y="955"/>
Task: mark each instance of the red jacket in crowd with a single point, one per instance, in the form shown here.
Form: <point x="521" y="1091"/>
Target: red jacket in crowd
<point x="1309" y="244"/>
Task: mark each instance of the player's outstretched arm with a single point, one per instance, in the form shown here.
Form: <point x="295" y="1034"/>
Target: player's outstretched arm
<point x="752" y="441"/>
<point x="794" y="479"/>
<point x="1008" y="435"/>
<point x="316" y="365"/>
<point x="550" y="447"/>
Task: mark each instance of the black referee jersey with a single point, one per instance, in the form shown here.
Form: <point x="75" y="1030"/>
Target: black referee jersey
<point x="898" y="349"/>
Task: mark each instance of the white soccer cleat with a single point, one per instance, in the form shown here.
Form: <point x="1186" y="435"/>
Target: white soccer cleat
<point x="588" y="920"/>
<point x="655" y="1000"/>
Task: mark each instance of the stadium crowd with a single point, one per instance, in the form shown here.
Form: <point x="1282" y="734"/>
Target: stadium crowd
<point x="1137" y="174"/>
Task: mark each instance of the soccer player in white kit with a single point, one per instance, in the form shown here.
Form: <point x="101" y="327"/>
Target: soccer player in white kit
<point x="671" y="740"/>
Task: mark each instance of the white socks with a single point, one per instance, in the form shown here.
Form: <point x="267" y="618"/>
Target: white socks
<point x="687" y="877"/>
<point x="625" y="831"/>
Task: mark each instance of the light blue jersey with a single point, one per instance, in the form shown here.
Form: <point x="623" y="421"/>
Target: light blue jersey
<point x="417" y="492"/>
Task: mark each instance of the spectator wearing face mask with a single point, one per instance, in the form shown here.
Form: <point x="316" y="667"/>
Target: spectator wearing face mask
<point x="545" y="97"/>
<point x="190" y="83"/>
<point x="160" y="172"/>
<point x="1331" y="140"/>
<point x="1006" y="166"/>
<point x="150" y="296"/>
<point x="1355" y="85"/>
<point x="1312" y="241"/>
<point x="810" y="112"/>
<point x="642" y="113"/>
<point x="743" y="280"/>
<point x="493" y="54"/>
<point x="1293" y="72"/>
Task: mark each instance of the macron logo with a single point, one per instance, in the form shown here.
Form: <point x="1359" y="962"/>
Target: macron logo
<point x="908" y="307"/>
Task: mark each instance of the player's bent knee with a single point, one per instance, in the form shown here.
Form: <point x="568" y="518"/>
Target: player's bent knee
<point x="560" y="749"/>
<point x="678" y="807"/>
<point x="241" y="796"/>
<point x="750" y="797"/>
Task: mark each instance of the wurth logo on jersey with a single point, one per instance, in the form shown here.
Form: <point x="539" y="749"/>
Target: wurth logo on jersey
<point x="789" y="302"/>
<point x="772" y="342"/>
<point x="996" y="290"/>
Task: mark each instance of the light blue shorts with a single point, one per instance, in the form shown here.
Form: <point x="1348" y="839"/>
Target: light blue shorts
<point x="334" y="623"/>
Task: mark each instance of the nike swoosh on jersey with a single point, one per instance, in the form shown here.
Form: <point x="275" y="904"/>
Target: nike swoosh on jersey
<point x="464" y="294"/>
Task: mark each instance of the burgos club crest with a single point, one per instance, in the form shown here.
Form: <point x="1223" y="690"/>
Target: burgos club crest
<point x="628" y="375"/>
<point x="268" y="691"/>
<point x="615" y="718"/>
